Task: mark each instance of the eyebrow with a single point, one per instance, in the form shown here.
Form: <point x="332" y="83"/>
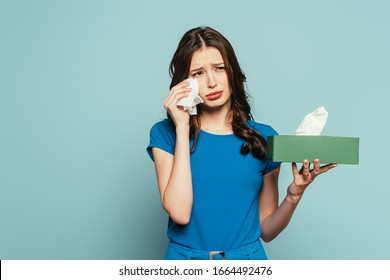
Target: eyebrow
<point x="212" y="64"/>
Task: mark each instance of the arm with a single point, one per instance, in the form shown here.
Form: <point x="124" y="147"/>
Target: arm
<point x="174" y="178"/>
<point x="274" y="219"/>
<point x="174" y="171"/>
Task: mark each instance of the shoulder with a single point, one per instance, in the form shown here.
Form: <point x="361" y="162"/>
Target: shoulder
<point x="264" y="129"/>
<point x="165" y="126"/>
<point x="162" y="136"/>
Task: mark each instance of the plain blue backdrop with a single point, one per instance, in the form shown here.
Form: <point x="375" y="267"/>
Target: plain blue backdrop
<point x="82" y="82"/>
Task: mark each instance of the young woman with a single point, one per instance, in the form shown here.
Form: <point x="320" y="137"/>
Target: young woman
<point x="215" y="182"/>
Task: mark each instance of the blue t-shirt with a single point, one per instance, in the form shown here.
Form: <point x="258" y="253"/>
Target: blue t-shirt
<point x="226" y="185"/>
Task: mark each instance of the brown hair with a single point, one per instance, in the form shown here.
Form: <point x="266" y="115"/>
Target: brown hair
<point x="179" y="68"/>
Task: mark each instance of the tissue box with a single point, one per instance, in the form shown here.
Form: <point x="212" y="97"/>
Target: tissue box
<point x="329" y="149"/>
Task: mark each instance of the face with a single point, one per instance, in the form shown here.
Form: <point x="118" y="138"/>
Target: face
<point x="207" y="66"/>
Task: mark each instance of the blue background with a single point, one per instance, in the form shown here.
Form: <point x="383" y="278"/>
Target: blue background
<point x="82" y="82"/>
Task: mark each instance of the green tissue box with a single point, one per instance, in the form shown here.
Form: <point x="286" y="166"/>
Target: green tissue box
<point x="329" y="149"/>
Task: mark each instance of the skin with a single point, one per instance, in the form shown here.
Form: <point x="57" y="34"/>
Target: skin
<point x="174" y="171"/>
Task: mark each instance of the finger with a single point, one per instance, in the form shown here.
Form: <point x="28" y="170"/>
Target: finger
<point x="179" y="96"/>
<point x="306" y="169"/>
<point x="316" y="168"/>
<point x="175" y="100"/>
<point x="175" y="91"/>
<point x="180" y="85"/>
<point x="173" y="94"/>
<point x="294" y="169"/>
<point x="185" y="82"/>
<point x="327" y="167"/>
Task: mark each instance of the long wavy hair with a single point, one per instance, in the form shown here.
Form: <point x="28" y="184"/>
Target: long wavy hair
<point x="179" y="68"/>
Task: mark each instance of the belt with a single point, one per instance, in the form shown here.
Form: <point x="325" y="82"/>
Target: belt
<point x="252" y="251"/>
<point x="214" y="253"/>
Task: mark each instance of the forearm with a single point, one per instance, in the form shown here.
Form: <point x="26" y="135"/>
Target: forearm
<point x="177" y="198"/>
<point x="275" y="223"/>
<point x="274" y="218"/>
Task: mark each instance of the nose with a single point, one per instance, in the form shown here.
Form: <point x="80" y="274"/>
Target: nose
<point x="211" y="81"/>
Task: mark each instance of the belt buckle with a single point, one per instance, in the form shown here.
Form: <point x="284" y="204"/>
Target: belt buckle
<point x="213" y="253"/>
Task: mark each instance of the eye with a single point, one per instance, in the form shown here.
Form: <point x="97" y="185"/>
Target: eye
<point x="220" y="68"/>
<point x="197" y="73"/>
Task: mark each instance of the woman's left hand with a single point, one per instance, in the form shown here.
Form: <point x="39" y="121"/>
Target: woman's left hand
<point x="305" y="176"/>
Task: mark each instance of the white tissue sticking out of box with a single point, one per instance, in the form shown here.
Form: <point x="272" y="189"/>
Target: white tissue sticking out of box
<point x="189" y="103"/>
<point x="313" y="123"/>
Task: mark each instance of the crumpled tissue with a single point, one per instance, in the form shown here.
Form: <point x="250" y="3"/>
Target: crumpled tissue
<point x="189" y="103"/>
<point x="313" y="123"/>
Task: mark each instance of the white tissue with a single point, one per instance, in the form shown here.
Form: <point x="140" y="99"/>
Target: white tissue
<point x="313" y="123"/>
<point x="189" y="103"/>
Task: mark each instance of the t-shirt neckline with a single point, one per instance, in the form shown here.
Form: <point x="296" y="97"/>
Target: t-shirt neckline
<point x="217" y="135"/>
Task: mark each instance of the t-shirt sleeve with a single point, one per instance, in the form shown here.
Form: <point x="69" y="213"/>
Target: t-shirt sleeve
<point x="270" y="165"/>
<point x="162" y="136"/>
<point x="265" y="131"/>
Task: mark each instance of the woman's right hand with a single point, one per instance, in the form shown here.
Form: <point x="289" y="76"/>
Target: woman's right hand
<point x="177" y="113"/>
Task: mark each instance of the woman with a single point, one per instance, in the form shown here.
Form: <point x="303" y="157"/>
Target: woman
<point x="220" y="191"/>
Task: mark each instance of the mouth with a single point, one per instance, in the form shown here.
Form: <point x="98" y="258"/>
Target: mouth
<point x="214" y="95"/>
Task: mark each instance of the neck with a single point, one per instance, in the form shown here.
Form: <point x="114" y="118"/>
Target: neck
<point x="216" y="121"/>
